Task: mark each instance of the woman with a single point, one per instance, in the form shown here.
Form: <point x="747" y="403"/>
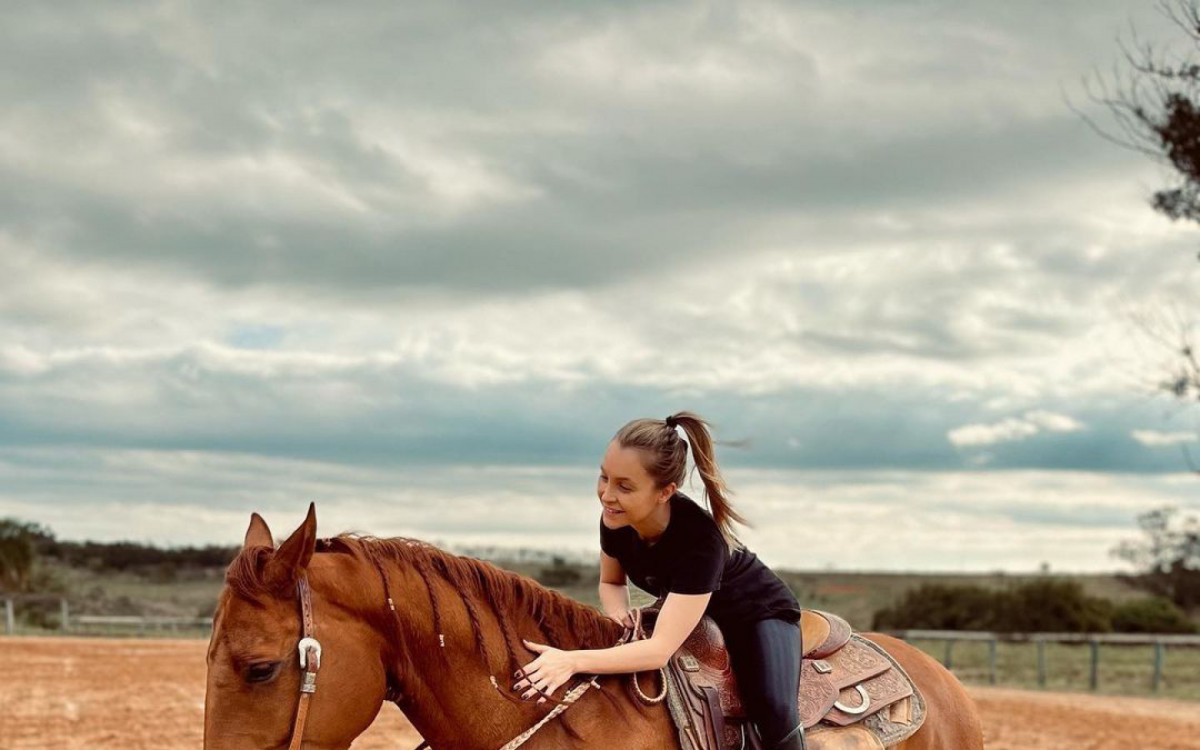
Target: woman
<point x="673" y="548"/>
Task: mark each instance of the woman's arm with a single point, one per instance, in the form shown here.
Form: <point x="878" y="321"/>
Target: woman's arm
<point x="553" y="667"/>
<point x="614" y="590"/>
<point x="677" y="619"/>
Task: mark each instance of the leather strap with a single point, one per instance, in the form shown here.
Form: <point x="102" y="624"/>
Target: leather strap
<point x="301" y="718"/>
<point x="310" y="661"/>
<point x="716" y="716"/>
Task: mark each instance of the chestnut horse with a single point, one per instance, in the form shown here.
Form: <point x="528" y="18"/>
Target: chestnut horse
<point x="398" y="620"/>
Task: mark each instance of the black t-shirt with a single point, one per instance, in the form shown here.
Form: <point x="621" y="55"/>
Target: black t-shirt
<point x="692" y="557"/>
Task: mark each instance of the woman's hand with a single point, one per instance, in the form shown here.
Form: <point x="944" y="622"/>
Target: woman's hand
<point x="545" y="674"/>
<point x="622" y="617"/>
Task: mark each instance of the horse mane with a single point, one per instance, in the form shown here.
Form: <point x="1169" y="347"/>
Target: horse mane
<point x="563" y="622"/>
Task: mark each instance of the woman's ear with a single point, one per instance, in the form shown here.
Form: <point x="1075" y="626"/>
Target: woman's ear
<point x="667" y="492"/>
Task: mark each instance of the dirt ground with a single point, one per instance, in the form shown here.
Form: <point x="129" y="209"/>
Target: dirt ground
<point x="133" y="694"/>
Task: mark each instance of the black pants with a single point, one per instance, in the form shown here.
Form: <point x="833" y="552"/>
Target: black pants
<point x="766" y="660"/>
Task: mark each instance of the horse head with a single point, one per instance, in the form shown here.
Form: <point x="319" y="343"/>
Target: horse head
<point x="398" y="620"/>
<point x="253" y="694"/>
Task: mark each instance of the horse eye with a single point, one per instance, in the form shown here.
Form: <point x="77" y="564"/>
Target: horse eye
<point x="263" y="671"/>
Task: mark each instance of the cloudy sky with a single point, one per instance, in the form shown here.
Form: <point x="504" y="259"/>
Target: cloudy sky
<point x="418" y="262"/>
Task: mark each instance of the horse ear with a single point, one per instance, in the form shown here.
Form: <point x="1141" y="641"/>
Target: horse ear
<point x="292" y="557"/>
<point x="258" y="535"/>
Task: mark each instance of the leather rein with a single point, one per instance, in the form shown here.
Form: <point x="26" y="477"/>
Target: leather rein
<point x="310" y="662"/>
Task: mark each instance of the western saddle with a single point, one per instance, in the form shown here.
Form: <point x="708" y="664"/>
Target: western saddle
<point x="853" y="695"/>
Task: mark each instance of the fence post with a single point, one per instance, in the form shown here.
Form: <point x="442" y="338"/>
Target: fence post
<point x="1094" y="677"/>
<point x="10" y="624"/>
<point x="1156" y="680"/>
<point x="64" y="615"/>
<point x="992" y="661"/>
<point x="948" y="660"/>
<point x="1041" y="662"/>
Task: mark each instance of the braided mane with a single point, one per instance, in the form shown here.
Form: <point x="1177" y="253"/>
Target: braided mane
<point x="563" y="622"/>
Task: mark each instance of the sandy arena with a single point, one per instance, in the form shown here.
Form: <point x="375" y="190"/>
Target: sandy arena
<point x="133" y="694"/>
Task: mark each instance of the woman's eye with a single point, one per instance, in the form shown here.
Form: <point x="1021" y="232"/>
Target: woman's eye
<point x="625" y="489"/>
<point x="262" y="672"/>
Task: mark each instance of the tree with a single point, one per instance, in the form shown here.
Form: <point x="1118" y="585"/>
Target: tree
<point x="1156" y="108"/>
<point x="1155" y="103"/>
<point x="17" y="553"/>
<point x="1167" y="557"/>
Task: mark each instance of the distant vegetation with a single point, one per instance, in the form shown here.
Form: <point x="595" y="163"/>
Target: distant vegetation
<point x="138" y="579"/>
<point x="24" y="544"/>
<point x="17" y="554"/>
<point x="1039" y="606"/>
<point x="1167" y="557"/>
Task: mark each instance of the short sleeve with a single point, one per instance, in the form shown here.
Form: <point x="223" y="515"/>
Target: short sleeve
<point x="698" y="568"/>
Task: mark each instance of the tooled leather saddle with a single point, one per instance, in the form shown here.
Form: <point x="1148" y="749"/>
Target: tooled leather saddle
<point x="853" y="695"/>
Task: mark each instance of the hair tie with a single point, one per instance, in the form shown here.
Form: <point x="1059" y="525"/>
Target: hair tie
<point x="671" y="422"/>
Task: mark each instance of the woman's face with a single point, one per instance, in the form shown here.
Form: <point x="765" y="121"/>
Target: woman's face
<point x="626" y="490"/>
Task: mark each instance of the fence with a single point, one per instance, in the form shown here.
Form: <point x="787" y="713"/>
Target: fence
<point x="100" y="623"/>
<point x="1094" y="641"/>
<point x="141" y="625"/>
<point x="10" y="614"/>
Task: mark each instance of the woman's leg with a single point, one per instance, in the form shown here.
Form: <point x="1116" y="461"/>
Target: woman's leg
<point x="766" y="660"/>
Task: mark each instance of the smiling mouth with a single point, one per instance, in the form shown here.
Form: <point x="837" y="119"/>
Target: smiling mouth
<point x="613" y="511"/>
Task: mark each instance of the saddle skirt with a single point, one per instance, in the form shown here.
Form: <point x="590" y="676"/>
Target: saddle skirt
<point x="853" y="695"/>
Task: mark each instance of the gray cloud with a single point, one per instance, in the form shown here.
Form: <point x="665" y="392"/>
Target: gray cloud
<point x="445" y="235"/>
<point x="513" y="151"/>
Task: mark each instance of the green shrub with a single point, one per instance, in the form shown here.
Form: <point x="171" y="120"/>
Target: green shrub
<point x="1051" y="606"/>
<point x="1155" y="615"/>
<point x="1045" y="606"/>
<point x="935" y="606"/>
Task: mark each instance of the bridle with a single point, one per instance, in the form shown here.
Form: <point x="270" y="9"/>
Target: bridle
<point x="310" y="662"/>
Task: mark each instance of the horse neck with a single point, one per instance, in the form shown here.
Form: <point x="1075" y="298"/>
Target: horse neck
<point x="455" y="668"/>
